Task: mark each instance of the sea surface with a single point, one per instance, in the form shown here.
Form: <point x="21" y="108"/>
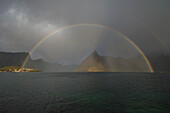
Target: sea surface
<point x="84" y="93"/>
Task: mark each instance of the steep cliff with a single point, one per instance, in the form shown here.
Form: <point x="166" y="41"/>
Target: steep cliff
<point x="12" y="59"/>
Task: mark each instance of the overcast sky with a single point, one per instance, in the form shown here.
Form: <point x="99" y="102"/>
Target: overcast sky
<point x="24" y="22"/>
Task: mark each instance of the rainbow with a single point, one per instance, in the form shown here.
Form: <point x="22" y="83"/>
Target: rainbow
<point x="87" y="24"/>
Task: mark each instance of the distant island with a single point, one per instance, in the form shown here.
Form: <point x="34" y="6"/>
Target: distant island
<point x="17" y="69"/>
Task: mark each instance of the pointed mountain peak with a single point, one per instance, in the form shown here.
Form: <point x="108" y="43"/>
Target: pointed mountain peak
<point x="95" y="53"/>
<point x="93" y="63"/>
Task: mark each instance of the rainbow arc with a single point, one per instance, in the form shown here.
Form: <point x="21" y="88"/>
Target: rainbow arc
<point x="87" y="24"/>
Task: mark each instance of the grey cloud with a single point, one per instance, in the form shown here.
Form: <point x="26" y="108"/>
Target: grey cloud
<point x="24" y="22"/>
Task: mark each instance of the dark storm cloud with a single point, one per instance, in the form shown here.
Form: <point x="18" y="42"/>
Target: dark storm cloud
<point x="25" y="22"/>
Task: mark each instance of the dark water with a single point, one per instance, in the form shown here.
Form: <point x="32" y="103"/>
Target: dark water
<point x="84" y="93"/>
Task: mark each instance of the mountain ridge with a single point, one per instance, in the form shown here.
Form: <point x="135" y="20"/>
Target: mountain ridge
<point x="160" y="63"/>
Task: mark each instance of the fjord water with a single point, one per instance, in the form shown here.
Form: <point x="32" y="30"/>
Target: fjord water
<point x="84" y="93"/>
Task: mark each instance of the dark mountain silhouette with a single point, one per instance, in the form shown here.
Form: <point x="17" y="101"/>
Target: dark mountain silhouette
<point x="16" y="59"/>
<point x="12" y="59"/>
<point x="94" y="62"/>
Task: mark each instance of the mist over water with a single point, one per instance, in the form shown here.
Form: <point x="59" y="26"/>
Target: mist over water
<point x="70" y="46"/>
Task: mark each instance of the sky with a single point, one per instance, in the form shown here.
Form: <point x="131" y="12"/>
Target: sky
<point x="23" y="23"/>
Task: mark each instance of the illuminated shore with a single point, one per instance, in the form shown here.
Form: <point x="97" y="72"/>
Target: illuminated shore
<point x="17" y="69"/>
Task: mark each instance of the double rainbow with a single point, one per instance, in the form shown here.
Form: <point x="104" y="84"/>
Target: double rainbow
<point x="87" y="24"/>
